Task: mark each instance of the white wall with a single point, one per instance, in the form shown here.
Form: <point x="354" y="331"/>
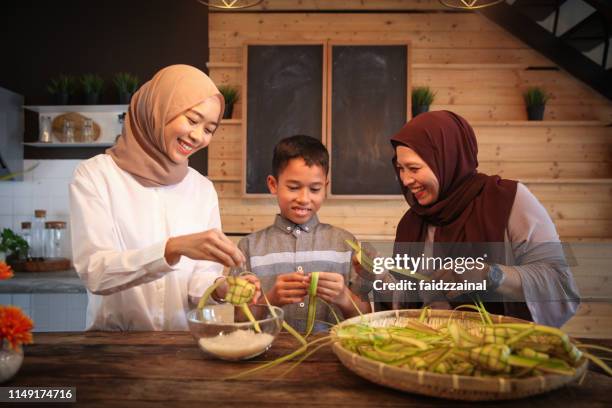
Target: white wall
<point x="46" y="187"/>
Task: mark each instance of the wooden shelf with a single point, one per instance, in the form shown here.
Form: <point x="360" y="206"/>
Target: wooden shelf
<point x="494" y="123"/>
<point x="539" y="123"/>
<point x="224" y="65"/>
<point x="68" y="145"/>
<point x="415" y="66"/>
<point x="469" y="66"/>
<point x="590" y="181"/>
<point x="566" y="181"/>
<point x="76" y="108"/>
<point x="225" y="179"/>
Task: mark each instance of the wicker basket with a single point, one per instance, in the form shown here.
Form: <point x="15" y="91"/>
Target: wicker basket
<point x="451" y="386"/>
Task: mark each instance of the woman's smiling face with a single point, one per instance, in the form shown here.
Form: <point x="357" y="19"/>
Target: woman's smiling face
<point x="417" y="176"/>
<point x="192" y="130"/>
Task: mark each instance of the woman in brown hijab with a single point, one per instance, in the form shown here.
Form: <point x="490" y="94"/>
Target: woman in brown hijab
<point x="458" y="212"/>
<point x="146" y="230"/>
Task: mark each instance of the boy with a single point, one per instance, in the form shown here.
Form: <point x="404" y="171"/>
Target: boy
<point x="284" y="254"/>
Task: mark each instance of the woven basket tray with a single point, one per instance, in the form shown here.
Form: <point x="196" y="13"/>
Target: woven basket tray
<point x="450" y="386"/>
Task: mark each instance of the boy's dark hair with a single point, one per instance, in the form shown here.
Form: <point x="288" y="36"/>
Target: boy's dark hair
<point x="299" y="146"/>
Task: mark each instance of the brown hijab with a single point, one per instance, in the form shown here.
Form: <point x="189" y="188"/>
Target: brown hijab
<point x="472" y="211"/>
<point x="472" y="207"/>
<point x="141" y="149"/>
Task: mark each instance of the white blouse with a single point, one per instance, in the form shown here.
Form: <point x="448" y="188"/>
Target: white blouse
<point x="119" y="233"/>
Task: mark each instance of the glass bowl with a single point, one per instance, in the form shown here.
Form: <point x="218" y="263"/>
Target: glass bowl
<point x="223" y="331"/>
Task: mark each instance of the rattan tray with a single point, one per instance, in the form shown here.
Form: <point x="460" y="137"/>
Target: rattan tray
<point x="457" y="387"/>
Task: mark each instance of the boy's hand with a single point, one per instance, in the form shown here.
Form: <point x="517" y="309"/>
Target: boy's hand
<point x="289" y="288"/>
<point x="331" y="288"/>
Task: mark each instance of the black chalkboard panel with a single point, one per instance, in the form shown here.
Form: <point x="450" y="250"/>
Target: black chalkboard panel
<point x="368" y="105"/>
<point x="284" y="98"/>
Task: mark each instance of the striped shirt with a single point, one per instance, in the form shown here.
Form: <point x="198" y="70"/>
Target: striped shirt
<point x="284" y="247"/>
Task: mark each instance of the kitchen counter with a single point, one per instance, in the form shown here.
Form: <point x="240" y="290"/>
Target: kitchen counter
<point x="43" y="282"/>
<point x="155" y="369"/>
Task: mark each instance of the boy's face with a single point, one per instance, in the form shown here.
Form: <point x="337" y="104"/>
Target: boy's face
<point x="299" y="190"/>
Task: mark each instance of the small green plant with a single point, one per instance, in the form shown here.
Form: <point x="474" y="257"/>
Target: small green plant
<point x="230" y="94"/>
<point x="92" y="83"/>
<point x="63" y="84"/>
<point x="535" y="96"/>
<point x="422" y="96"/>
<point x="12" y="244"/>
<point x="126" y="83"/>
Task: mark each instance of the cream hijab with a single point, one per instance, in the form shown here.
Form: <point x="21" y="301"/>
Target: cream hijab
<point x="141" y="149"/>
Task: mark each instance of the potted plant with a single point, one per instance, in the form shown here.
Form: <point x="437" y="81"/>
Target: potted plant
<point x="13" y="246"/>
<point x="230" y="94"/>
<point x="126" y="84"/>
<point x="92" y="87"/>
<point x="62" y="88"/>
<point x="535" y="101"/>
<point x="422" y="98"/>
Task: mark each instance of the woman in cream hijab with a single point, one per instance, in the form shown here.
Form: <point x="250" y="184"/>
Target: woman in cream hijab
<point x="146" y="230"/>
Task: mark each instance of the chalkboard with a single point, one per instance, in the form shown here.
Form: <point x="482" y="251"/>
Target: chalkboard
<point x="369" y="104"/>
<point x="284" y="98"/>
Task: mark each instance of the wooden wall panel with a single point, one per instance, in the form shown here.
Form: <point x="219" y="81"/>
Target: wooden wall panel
<point x="456" y="55"/>
<point x="360" y="5"/>
<point x="592" y="321"/>
<point x="392" y="23"/>
<point x="478" y="70"/>
<point x="442" y="39"/>
<point x="452" y="54"/>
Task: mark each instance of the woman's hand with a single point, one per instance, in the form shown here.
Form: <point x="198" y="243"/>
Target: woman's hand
<point x="211" y="245"/>
<point x="221" y="291"/>
<point x="288" y="288"/>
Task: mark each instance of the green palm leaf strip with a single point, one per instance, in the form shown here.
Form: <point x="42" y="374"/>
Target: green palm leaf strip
<point x="239" y="293"/>
<point x="312" y="302"/>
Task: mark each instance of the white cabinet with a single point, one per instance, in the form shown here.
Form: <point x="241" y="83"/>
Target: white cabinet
<point x="51" y="312"/>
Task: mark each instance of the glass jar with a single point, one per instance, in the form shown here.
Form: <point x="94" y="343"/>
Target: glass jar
<point x="68" y="131"/>
<point x="44" y="135"/>
<point x="26" y="234"/>
<point x="87" y="133"/>
<point x="56" y="230"/>
<point x="121" y="119"/>
<point x="38" y="234"/>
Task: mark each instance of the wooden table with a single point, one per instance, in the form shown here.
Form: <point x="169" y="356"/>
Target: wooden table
<point x="154" y="369"/>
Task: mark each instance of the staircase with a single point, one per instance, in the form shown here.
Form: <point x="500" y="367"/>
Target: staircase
<point x="575" y="34"/>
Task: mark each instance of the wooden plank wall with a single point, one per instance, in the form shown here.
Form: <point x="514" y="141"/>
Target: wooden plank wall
<point x="479" y="71"/>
